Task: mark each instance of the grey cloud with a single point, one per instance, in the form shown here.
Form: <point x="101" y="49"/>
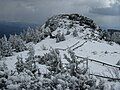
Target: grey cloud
<point x="39" y="10"/>
<point x="107" y="11"/>
<point x="113" y="9"/>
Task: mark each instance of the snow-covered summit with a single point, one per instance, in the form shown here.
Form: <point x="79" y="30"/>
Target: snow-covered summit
<point x="86" y="27"/>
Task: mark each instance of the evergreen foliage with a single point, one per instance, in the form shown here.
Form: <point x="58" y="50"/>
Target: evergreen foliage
<point x="19" y="64"/>
<point x="60" y="37"/>
<point x="6" y="49"/>
<point x="17" y="43"/>
<point x="3" y="76"/>
<point x="75" y="33"/>
<point x="68" y="32"/>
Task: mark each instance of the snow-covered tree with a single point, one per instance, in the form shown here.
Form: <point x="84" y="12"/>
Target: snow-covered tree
<point x="55" y="64"/>
<point x="68" y="32"/>
<point x="12" y="41"/>
<point x="73" y="64"/>
<point x="75" y="33"/>
<point x="19" y="64"/>
<point x="63" y="37"/>
<point x="0" y="49"/>
<point x="29" y="35"/>
<point x="17" y="43"/>
<point x="60" y="37"/>
<point x="20" y="45"/>
<point x="79" y="78"/>
<point x="116" y="37"/>
<point x="30" y="63"/>
<point x="3" y="76"/>
<point x="37" y="36"/>
<point x="31" y="53"/>
<point x="101" y="85"/>
<point x="6" y="49"/>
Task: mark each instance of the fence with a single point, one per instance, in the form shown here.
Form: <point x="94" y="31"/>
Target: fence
<point x="103" y="63"/>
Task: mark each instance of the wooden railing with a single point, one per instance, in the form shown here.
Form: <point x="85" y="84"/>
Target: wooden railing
<point x="110" y="78"/>
<point x="68" y="47"/>
<point x="73" y="46"/>
<point x="103" y="63"/>
<point x="93" y="60"/>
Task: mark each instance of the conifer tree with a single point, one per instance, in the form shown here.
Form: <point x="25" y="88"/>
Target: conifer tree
<point x="3" y="76"/>
<point x="55" y="61"/>
<point x="60" y="37"/>
<point x="30" y="61"/>
<point x="17" y="43"/>
<point x="6" y="49"/>
<point x="68" y="32"/>
<point x="63" y="37"/>
<point x="75" y="33"/>
<point x="19" y="64"/>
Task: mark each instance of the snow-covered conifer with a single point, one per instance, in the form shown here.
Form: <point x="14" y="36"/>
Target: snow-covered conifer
<point x="6" y="49"/>
<point x="0" y="52"/>
<point x="19" y="64"/>
<point x="30" y="63"/>
<point x="29" y="34"/>
<point x="3" y="76"/>
<point x="116" y="37"/>
<point x="75" y="33"/>
<point x="60" y="37"/>
<point x="74" y="64"/>
<point x="55" y="61"/>
<point x="31" y="53"/>
<point x="68" y="32"/>
<point x="17" y="43"/>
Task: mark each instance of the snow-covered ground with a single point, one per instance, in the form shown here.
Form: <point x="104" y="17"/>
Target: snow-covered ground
<point x="101" y="51"/>
<point x="94" y="49"/>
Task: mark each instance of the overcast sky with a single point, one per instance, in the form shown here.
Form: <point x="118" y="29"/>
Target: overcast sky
<point x="105" y="12"/>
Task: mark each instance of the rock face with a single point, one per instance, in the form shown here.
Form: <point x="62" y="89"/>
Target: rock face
<point x="73" y="22"/>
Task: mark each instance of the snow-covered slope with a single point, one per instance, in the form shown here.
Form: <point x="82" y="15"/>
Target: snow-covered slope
<point x="87" y="32"/>
<point x="94" y="48"/>
<point x="101" y="51"/>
